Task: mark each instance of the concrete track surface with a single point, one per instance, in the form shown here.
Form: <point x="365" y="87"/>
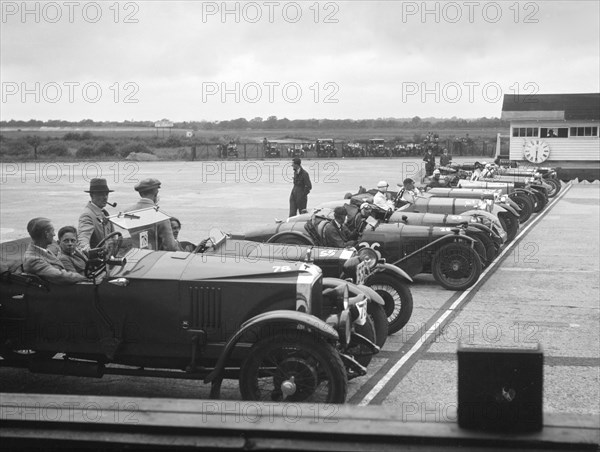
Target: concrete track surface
<point x="545" y="288"/>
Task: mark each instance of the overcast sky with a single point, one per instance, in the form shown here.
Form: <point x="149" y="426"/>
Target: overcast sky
<point x="148" y="60"/>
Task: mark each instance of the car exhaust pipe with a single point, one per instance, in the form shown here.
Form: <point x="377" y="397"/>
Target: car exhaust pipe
<point x="67" y="367"/>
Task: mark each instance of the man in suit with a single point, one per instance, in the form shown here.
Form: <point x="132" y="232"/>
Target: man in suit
<point x="93" y="224"/>
<point x="148" y="190"/>
<point x="336" y="234"/>
<point x="42" y="262"/>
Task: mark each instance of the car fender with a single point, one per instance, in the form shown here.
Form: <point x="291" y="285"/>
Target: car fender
<point x="509" y="209"/>
<point x="483" y="228"/>
<point x="289" y="320"/>
<point x="373" y="296"/>
<point x="293" y="234"/>
<point x="389" y="268"/>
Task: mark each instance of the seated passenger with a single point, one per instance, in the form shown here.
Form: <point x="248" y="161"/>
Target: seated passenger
<point x="70" y="255"/>
<point x="408" y="193"/>
<point x="42" y="262"/>
<point x="380" y="199"/>
<point x="336" y="234"/>
<point x="176" y="227"/>
<point x="356" y="223"/>
<point x="437" y="180"/>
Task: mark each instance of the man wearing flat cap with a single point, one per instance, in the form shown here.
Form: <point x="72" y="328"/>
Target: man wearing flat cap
<point x="93" y="224"/>
<point x="148" y="190"/>
<point x="336" y="234"/>
<point x="40" y="261"/>
<point x="301" y="189"/>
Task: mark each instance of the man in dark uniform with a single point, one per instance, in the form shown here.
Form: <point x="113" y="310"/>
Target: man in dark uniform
<point x="93" y="224"/>
<point x="336" y="234"/>
<point x="301" y="189"/>
<point x="429" y="160"/>
<point x="355" y="223"/>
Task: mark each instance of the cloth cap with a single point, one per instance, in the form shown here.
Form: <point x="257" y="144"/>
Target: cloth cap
<point x="147" y="184"/>
<point x="382" y="183"/>
<point x="98" y="185"/>
<point x="437" y="171"/>
<point x="340" y="211"/>
<point x="297" y="161"/>
<point x="365" y="205"/>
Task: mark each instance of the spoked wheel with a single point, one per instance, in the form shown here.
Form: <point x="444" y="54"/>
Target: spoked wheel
<point x="556" y="186"/>
<point x="525" y="205"/>
<point x="456" y="266"/>
<point x="293" y="368"/>
<point x="397" y="298"/>
<point x="510" y="223"/>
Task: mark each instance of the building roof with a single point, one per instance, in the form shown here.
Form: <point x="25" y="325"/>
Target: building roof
<point x="583" y="106"/>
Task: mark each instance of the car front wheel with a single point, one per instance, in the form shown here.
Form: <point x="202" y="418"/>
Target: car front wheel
<point x="293" y="367"/>
<point x="456" y="266"/>
<point x="397" y="298"/>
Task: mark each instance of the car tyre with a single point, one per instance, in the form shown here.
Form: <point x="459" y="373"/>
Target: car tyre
<point x="307" y="368"/>
<point x="525" y="205"/>
<point x="556" y="186"/>
<point x="456" y="266"/>
<point x="491" y="251"/>
<point x="397" y="297"/>
<point x="360" y="354"/>
<point x="380" y="322"/>
<point x="542" y="200"/>
<point x="510" y="223"/>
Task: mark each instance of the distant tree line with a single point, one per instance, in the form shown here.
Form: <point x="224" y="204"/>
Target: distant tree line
<point x="272" y="122"/>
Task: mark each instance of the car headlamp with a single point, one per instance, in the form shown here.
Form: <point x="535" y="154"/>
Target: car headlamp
<point x="369" y="256"/>
<point x="503" y="198"/>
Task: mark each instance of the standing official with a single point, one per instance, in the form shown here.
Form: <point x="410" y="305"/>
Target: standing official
<point x="429" y="160"/>
<point x="302" y="187"/>
<point x="148" y="190"/>
<point x="93" y="224"/>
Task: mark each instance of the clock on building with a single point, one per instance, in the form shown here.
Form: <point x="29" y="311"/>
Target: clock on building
<point x="536" y="151"/>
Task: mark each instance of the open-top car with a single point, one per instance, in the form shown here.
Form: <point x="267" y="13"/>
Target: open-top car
<point x="271" y="151"/>
<point x="448" y="253"/>
<point x="425" y="203"/>
<point x="364" y="268"/>
<point x="191" y="315"/>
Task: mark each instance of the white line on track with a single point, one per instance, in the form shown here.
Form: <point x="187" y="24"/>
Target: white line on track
<point x="422" y="341"/>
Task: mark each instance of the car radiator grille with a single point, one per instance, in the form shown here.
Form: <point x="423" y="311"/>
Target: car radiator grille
<point x="205" y="307"/>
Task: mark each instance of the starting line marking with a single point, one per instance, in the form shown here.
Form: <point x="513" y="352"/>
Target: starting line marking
<point x="422" y="341"/>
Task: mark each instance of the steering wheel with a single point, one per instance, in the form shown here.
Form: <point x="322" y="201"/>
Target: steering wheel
<point x="116" y="245"/>
<point x="93" y="267"/>
<point x="202" y="246"/>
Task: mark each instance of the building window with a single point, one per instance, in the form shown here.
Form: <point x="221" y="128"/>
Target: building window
<point x="525" y="132"/>
<point x="584" y="131"/>
<point x="554" y="132"/>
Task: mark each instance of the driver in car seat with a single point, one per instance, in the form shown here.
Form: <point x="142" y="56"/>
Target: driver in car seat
<point x="380" y="199"/>
<point x="355" y="223"/>
<point x="42" y="262"/>
<point x="70" y="254"/>
<point x="336" y="234"/>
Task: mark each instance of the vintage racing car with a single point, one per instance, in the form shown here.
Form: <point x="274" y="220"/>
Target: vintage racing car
<point x="190" y="315"/>
<point x="424" y="203"/>
<point x="448" y="253"/>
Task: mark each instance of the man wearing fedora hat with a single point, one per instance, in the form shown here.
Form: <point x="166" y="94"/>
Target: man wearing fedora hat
<point x="148" y="190"/>
<point x="93" y="224"/>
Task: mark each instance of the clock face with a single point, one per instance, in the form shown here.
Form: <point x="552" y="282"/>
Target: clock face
<point x="537" y="151"/>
